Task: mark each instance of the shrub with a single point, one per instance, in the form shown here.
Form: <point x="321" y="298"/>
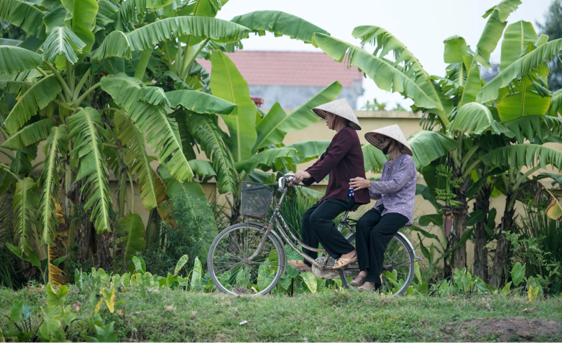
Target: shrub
<point x="196" y="229"/>
<point x="537" y="244"/>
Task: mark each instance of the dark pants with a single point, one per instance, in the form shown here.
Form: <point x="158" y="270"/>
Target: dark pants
<point x="318" y="227"/>
<point x="374" y="231"/>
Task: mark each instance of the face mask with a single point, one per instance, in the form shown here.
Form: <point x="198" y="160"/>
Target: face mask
<point x="386" y="148"/>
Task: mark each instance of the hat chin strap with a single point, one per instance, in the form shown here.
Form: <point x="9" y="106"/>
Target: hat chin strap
<point x="387" y="147"/>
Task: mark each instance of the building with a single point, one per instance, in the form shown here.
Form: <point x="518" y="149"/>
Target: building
<point x="489" y="73"/>
<point x="291" y="78"/>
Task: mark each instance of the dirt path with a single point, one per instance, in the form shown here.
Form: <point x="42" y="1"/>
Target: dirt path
<point x="505" y="330"/>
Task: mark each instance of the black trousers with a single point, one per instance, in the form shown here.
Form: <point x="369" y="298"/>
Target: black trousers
<point x="374" y="231"/>
<point x="318" y="227"/>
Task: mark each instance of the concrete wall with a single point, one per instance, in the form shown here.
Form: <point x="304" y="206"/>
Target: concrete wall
<point x="295" y="96"/>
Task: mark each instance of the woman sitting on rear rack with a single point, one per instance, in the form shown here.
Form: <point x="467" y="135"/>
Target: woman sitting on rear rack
<point x="395" y="193"/>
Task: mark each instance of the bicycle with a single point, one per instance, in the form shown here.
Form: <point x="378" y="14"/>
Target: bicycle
<point x="250" y="257"/>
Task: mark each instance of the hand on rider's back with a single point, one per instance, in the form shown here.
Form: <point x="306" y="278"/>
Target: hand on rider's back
<point x="359" y="183"/>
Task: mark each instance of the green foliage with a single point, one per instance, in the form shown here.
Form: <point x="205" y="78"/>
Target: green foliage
<point x="21" y="14"/>
<point x="62" y="41"/>
<point x="494" y="29"/>
<point x="196" y="275"/>
<point x="405" y="76"/>
<point x="517" y="274"/>
<point x="30" y="134"/>
<point x="181" y="262"/>
<point x="10" y="265"/>
<point x="293" y="207"/>
<point x="524" y="155"/>
<point x="217" y="30"/>
<point x="227" y="83"/>
<point x="429" y="146"/>
<point x="55" y="318"/>
<point x="536" y="245"/>
<point x="446" y="195"/>
<point x="37" y="97"/>
<point x="273" y="128"/>
<point x="114" y="45"/>
<point x="464" y="283"/>
<point x="150" y="119"/>
<point x="25" y="207"/>
<point x="56" y="145"/>
<point x="134" y="242"/>
<point x="475" y="118"/>
<point x="86" y="127"/>
<point x="137" y="159"/>
<point x="520" y="68"/>
<point x="196" y="228"/>
<point x="279" y="23"/>
<point x="15" y="59"/>
<point x="199" y="102"/>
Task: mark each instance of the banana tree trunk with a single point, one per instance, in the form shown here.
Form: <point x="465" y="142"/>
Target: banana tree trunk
<point x="503" y="245"/>
<point x="235" y="210"/>
<point x="458" y="257"/>
<point x="482" y="203"/>
<point x="84" y="239"/>
<point x="152" y="226"/>
<point x="104" y="244"/>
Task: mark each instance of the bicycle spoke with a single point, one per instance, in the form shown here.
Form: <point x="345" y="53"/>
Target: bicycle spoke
<point x="230" y="259"/>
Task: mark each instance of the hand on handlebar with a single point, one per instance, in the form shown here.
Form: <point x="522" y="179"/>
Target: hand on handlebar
<point x="300" y="175"/>
<point x="293" y="183"/>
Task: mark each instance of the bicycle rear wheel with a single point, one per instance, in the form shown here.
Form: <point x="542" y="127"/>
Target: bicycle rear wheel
<point x="228" y="263"/>
<point x="398" y="266"/>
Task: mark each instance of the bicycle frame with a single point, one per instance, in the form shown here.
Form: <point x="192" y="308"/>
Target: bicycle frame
<point x="278" y="221"/>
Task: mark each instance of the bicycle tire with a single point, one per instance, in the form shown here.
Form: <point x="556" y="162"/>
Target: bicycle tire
<point x="407" y="246"/>
<point x="257" y="229"/>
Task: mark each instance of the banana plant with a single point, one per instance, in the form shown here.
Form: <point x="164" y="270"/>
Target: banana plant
<point x="489" y="125"/>
<point x="56" y="86"/>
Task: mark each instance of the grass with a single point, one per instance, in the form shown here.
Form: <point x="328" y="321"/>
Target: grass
<point x="175" y="315"/>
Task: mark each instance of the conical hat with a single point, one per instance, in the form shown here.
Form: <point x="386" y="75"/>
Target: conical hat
<point x="377" y="137"/>
<point x="340" y="108"/>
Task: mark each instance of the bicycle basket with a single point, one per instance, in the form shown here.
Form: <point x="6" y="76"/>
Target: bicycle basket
<point x="256" y="199"/>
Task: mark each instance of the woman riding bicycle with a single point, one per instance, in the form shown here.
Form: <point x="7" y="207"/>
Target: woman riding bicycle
<point x="395" y="193"/>
<point x="342" y="161"/>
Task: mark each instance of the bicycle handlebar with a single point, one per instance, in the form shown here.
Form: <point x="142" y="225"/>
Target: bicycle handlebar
<point x="289" y="177"/>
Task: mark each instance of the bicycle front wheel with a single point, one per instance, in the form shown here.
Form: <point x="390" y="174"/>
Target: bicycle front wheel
<point x="230" y="268"/>
<point x="398" y="265"/>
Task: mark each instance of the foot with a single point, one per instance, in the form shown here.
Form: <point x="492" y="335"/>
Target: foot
<point x="300" y="265"/>
<point x="369" y="287"/>
<point x="345" y="259"/>
<point x="359" y="280"/>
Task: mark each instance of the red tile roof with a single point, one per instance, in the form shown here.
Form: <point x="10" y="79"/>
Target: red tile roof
<point x="289" y="68"/>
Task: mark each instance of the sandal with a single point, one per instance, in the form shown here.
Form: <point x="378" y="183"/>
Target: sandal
<point x="342" y="262"/>
<point x="300" y="265"/>
<point x="358" y="281"/>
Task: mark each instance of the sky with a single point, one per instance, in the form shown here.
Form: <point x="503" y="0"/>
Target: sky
<point x="421" y="25"/>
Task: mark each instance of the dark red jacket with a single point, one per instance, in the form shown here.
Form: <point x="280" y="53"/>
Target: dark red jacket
<point x="342" y="160"/>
